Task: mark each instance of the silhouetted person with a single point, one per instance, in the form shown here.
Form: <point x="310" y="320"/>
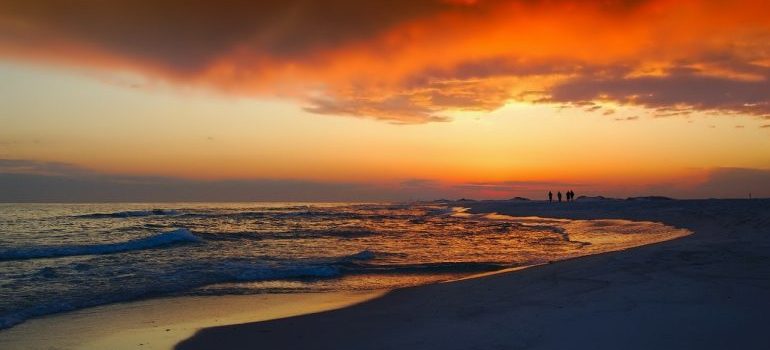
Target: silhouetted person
<point x="550" y="196"/>
<point x="558" y="195"/>
<point x="572" y="194"/>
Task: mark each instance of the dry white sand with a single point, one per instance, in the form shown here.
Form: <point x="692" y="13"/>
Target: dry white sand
<point x="709" y="290"/>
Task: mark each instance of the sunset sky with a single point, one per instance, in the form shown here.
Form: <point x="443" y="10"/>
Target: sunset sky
<point x="383" y="99"/>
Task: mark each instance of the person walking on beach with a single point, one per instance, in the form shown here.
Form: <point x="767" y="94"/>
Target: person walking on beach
<point x="558" y="195"/>
<point x="550" y="196"/>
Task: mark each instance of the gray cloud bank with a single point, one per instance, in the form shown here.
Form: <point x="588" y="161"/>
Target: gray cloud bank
<point x="186" y="35"/>
<point x="33" y="181"/>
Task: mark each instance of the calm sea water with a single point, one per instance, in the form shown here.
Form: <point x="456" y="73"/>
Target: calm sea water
<point x="59" y="257"/>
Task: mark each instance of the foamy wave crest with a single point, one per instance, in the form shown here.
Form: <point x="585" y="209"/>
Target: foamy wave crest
<point x="130" y="213"/>
<point x="162" y="239"/>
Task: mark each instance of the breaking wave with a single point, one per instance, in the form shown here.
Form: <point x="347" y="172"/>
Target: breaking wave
<point x="166" y="238"/>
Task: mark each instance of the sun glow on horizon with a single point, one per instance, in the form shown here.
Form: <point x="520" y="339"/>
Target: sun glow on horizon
<point x="469" y="93"/>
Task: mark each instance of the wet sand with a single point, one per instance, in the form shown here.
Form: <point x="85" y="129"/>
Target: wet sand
<point x="161" y="323"/>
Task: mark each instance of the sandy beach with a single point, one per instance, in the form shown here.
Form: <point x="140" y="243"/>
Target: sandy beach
<point x="706" y="291"/>
<point x="161" y="323"/>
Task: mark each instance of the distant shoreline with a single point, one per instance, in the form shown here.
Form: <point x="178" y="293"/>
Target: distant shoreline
<point x="461" y="200"/>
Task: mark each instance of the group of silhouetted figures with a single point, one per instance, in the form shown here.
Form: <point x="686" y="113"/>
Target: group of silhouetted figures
<point x="570" y="196"/>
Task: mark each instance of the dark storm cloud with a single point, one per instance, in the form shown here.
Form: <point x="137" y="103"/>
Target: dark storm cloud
<point x="376" y="59"/>
<point x="187" y="34"/>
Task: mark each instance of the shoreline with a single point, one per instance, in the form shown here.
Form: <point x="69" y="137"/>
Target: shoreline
<point x="707" y="290"/>
<point x="160" y="323"/>
<point x="624" y="235"/>
<point x="292" y="320"/>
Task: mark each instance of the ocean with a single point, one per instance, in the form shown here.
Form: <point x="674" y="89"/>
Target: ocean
<point x="61" y="257"/>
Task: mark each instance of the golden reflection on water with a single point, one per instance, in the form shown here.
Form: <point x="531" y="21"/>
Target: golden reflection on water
<point x="274" y="248"/>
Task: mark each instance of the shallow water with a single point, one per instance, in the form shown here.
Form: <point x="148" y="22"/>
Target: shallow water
<point x="59" y="257"/>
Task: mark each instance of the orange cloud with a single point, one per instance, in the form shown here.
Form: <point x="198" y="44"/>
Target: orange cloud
<point x="412" y="61"/>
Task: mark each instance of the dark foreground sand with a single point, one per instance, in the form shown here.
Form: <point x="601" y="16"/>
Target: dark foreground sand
<point x="710" y="290"/>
